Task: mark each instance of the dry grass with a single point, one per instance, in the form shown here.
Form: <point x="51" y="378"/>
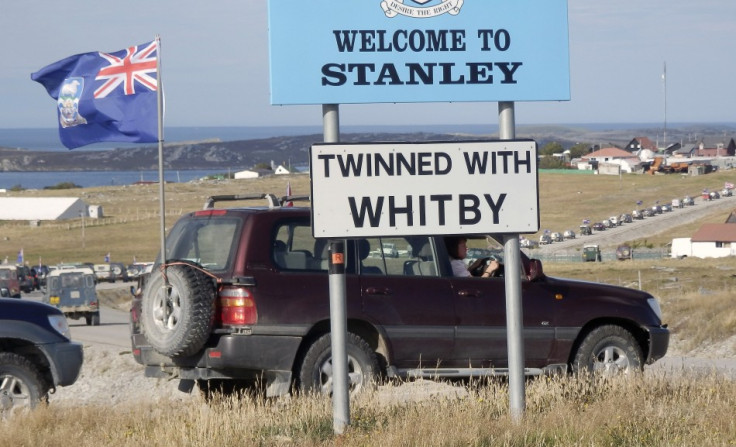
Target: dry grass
<point x="652" y="410"/>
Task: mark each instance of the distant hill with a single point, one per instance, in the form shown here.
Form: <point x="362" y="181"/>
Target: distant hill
<point x="293" y="150"/>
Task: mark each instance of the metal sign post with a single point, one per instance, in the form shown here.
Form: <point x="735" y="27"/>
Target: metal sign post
<point x="514" y="311"/>
<point x="338" y="306"/>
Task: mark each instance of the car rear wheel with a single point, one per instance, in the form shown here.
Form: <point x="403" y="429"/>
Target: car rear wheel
<point x="22" y="386"/>
<point x="316" y="372"/>
<point x="177" y="315"/>
<point x="609" y="350"/>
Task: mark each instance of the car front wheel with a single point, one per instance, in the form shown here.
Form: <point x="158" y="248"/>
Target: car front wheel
<point x="609" y="350"/>
<point x="316" y="371"/>
<point x="21" y="385"/>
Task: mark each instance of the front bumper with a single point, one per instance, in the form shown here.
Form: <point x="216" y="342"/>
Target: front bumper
<point x="66" y="360"/>
<point x="659" y="340"/>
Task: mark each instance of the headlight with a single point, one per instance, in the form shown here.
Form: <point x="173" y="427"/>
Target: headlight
<point x="59" y="323"/>
<point x="654" y="304"/>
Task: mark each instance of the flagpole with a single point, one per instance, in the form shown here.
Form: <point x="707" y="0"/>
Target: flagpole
<point x="160" y="107"/>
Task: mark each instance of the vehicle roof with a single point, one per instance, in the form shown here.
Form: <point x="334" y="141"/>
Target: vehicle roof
<point x="59" y="272"/>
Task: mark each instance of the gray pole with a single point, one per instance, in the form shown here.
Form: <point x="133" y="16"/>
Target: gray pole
<point x="161" y="189"/>
<point x="338" y="306"/>
<point x="514" y="311"/>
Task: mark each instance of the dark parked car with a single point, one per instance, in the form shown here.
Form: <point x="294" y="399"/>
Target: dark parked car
<point x="599" y="226"/>
<point x="624" y="252"/>
<point x="248" y="301"/>
<point x="36" y="354"/>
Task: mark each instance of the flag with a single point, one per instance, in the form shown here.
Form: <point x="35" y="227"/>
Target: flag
<point x="107" y="257"/>
<point x="105" y="96"/>
<point x="288" y="194"/>
<point x="728" y="185"/>
<point x="19" y="261"/>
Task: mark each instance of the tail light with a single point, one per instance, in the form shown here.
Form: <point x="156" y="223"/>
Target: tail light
<point x="237" y="306"/>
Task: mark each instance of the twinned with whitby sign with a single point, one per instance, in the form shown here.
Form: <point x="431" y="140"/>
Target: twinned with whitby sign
<point x="373" y="51"/>
<point x="468" y="187"/>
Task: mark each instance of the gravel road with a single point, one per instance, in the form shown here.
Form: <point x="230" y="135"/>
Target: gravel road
<point x="647" y="227"/>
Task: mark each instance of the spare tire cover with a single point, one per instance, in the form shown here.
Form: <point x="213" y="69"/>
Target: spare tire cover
<point x="177" y="319"/>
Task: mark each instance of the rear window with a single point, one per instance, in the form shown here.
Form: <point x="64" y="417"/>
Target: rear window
<point x="208" y="241"/>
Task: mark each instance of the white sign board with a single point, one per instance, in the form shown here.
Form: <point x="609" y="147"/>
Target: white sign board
<point x="464" y="187"/>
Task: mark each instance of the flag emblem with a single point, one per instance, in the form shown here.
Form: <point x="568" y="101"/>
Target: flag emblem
<point x="68" y="102"/>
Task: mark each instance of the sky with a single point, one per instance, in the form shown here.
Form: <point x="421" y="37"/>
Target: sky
<point x="215" y="66"/>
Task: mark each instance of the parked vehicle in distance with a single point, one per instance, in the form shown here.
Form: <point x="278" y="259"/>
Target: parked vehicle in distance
<point x="591" y="253"/>
<point x="614" y="221"/>
<point x="103" y="273"/>
<point x="607" y="223"/>
<point x="677" y="203"/>
<point x="528" y="243"/>
<point x="26" y="280"/>
<point x="625" y="218"/>
<point x="568" y="234"/>
<point x="585" y="230"/>
<point x="118" y="272"/>
<point x="390" y="250"/>
<point x="688" y="201"/>
<point x="638" y="214"/>
<point x="714" y="195"/>
<point x="556" y="236"/>
<point x="36" y="354"/>
<point x="599" y="226"/>
<point x="545" y="239"/>
<point x="247" y="301"/>
<point x="9" y="280"/>
<point x="656" y="209"/>
<point x="727" y="192"/>
<point x="73" y="292"/>
<point x="624" y="251"/>
<point x="666" y="208"/>
<point x="648" y="212"/>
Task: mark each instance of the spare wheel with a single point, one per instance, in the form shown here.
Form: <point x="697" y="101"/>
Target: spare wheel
<point x="177" y="316"/>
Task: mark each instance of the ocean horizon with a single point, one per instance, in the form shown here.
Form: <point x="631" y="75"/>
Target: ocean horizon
<point x="47" y="139"/>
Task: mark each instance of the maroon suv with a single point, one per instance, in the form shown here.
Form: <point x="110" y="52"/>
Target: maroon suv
<point x="244" y="296"/>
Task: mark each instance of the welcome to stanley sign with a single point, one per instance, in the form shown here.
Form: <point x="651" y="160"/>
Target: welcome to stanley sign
<point x="371" y="51"/>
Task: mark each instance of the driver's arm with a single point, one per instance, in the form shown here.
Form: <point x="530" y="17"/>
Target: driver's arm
<point x="492" y="267"/>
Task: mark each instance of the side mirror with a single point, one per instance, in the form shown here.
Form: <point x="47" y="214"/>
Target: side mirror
<point x="535" y="270"/>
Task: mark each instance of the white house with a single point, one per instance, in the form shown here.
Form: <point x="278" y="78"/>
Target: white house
<point x="710" y="241"/>
<point x="42" y="208"/>
<point x="610" y="156"/>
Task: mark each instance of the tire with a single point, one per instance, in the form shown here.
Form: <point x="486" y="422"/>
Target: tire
<point x="94" y="319"/>
<point x="177" y="320"/>
<point x="315" y="372"/>
<point x="609" y="350"/>
<point x="22" y="386"/>
<point x="88" y="319"/>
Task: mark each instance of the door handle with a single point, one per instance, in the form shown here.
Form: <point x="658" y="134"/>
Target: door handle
<point x="469" y="293"/>
<point x="378" y="291"/>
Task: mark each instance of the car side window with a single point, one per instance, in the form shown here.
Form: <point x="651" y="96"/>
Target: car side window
<point x="398" y="256"/>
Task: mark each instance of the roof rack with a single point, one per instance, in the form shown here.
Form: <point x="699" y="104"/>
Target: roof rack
<point x="273" y="201"/>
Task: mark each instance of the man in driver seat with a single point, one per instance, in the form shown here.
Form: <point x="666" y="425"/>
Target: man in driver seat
<point x="457" y="248"/>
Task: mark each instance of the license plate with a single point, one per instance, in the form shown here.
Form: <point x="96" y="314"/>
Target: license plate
<point x="74" y="294"/>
